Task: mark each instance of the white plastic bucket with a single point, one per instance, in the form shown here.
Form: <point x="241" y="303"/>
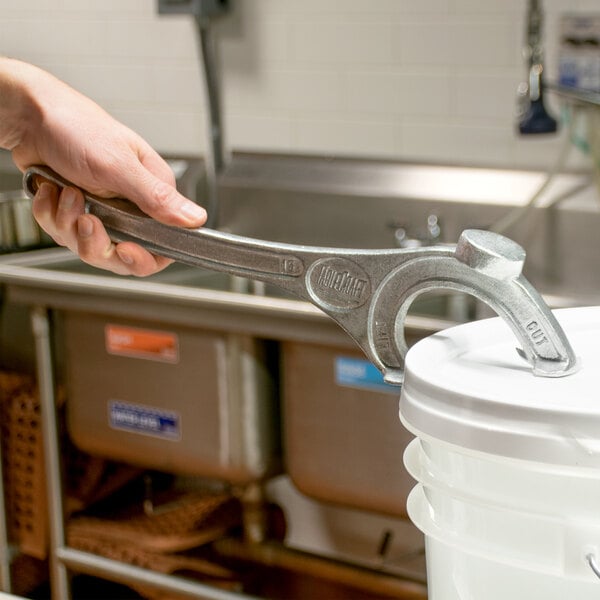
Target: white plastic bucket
<point x="507" y="464"/>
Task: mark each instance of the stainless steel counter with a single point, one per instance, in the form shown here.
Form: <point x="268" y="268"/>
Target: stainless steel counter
<point x="178" y="295"/>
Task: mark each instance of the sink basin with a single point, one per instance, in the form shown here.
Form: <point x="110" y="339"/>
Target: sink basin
<point x="175" y="274"/>
<point x="362" y="204"/>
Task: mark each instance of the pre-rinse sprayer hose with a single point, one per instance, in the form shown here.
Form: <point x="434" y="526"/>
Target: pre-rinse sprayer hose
<point x="514" y="216"/>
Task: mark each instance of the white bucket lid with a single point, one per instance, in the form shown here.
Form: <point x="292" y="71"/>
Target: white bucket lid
<point x="468" y="386"/>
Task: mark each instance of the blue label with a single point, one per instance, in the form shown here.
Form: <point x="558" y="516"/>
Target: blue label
<point x="144" y="419"/>
<point x="360" y="373"/>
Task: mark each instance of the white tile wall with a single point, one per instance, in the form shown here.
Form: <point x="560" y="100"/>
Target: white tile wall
<point x="427" y="80"/>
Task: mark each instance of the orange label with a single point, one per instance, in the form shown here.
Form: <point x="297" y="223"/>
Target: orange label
<point x="141" y="343"/>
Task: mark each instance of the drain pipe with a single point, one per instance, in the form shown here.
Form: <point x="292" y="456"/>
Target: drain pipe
<point x="204" y="13"/>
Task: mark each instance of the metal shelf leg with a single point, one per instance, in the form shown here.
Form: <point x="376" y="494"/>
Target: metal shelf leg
<point x="59" y="579"/>
<point x="5" y="550"/>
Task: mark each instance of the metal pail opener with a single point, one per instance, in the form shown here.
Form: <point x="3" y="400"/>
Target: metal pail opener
<point x="367" y="292"/>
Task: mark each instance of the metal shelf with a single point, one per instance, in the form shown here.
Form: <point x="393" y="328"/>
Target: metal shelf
<point x="580" y="96"/>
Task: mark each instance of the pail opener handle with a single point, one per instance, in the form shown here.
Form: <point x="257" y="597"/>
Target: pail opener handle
<point x="594" y="566"/>
<point x="367" y="292"/>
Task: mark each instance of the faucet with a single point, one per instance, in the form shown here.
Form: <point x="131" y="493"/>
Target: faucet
<point x="204" y="13"/>
<point x="430" y="237"/>
<point x="533" y="115"/>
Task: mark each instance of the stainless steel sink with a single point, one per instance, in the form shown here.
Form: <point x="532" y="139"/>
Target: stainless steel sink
<point x="362" y="204"/>
<point x="358" y="204"/>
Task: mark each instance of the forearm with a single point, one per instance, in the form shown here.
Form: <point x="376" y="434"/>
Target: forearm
<point x="19" y="111"/>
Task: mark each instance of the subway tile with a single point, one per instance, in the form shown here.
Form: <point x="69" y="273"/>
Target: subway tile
<point x="590" y="6"/>
<point x="432" y="7"/>
<point x="449" y="143"/>
<point x="341" y="42"/>
<point x="376" y="92"/>
<point x="247" y="91"/>
<point x="80" y="38"/>
<point x="425" y="94"/>
<point x="314" y="90"/>
<point x="482" y="43"/>
<point x="555" y="6"/>
<point x="399" y="93"/>
<point x="345" y="136"/>
<point x="141" y="7"/>
<point x="17" y="39"/>
<point x="259" y="9"/>
<point x="341" y="7"/>
<point x="29" y="6"/>
<point x="114" y="83"/>
<point x="169" y="132"/>
<point x="296" y="89"/>
<point x="480" y="95"/>
<point x="264" y="132"/>
<point x="173" y="85"/>
<point x="160" y="39"/>
<point x="489" y="6"/>
<point x="424" y="43"/>
<point x="455" y="42"/>
<point x="39" y="36"/>
<point x="257" y="43"/>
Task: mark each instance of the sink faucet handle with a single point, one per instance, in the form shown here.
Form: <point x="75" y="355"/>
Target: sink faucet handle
<point x="434" y="229"/>
<point x="406" y="237"/>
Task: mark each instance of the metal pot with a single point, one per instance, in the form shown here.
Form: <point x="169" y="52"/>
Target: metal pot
<point x="18" y="229"/>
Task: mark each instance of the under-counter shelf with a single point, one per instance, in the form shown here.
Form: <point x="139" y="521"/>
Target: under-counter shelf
<point x="578" y="95"/>
<point x="588" y="102"/>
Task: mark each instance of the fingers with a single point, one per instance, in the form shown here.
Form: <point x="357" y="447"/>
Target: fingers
<point x="62" y="216"/>
<point x="56" y="218"/>
<point x="95" y="248"/>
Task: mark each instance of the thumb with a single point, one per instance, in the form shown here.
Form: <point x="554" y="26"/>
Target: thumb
<point x="161" y="200"/>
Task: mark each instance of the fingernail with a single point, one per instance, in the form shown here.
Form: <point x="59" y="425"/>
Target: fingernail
<point x="45" y="190"/>
<point x="124" y="256"/>
<point x="67" y="199"/>
<point x="193" y="211"/>
<point x="85" y="227"/>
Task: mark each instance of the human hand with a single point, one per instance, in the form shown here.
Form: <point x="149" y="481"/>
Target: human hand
<point x="80" y="141"/>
